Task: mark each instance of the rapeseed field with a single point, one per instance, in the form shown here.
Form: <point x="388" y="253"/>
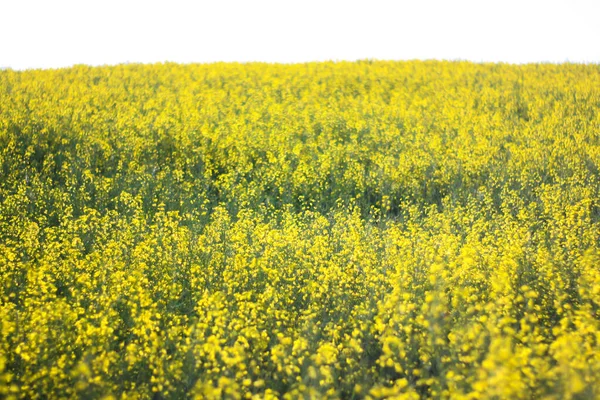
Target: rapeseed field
<point x="343" y="230"/>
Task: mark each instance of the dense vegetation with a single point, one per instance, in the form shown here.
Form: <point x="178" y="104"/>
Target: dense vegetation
<point x="338" y="230"/>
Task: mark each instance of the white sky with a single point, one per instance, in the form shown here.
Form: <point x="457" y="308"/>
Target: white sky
<point x="58" y="33"/>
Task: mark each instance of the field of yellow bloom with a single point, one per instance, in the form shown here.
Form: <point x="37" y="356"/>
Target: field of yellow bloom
<point x="324" y="230"/>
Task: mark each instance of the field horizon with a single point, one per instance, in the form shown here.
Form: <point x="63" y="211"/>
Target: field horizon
<point x="565" y="62"/>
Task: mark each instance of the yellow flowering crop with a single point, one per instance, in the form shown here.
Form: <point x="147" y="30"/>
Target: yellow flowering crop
<point x="325" y="230"/>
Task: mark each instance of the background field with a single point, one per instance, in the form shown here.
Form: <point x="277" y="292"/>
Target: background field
<point x="411" y="229"/>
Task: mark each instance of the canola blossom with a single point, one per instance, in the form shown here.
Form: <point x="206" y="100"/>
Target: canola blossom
<point x="330" y="230"/>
